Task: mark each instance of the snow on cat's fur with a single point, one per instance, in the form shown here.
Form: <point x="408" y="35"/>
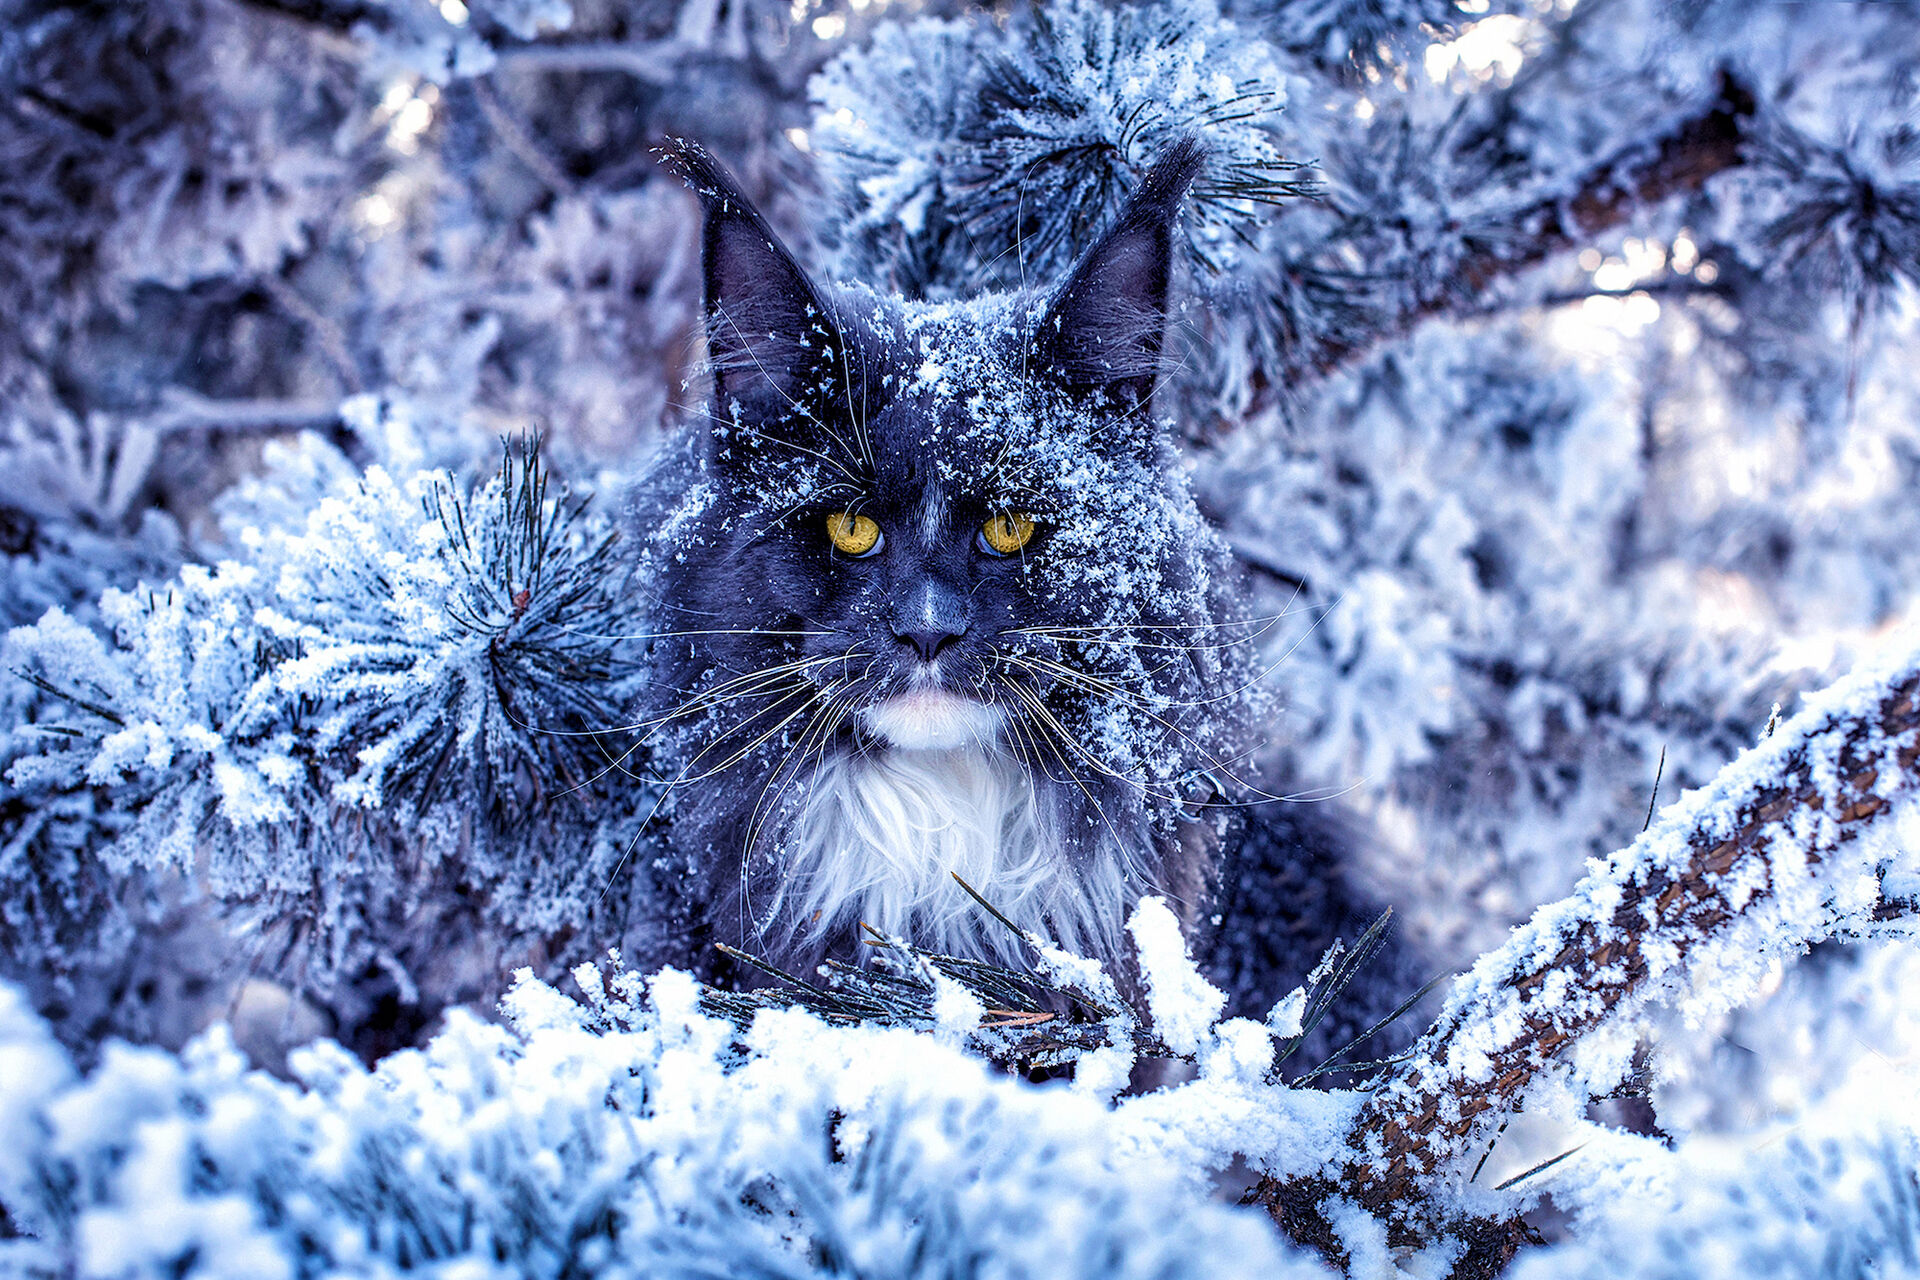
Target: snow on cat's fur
<point x="850" y="727"/>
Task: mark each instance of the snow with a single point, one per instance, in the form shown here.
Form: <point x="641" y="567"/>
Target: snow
<point x="1831" y="1194"/>
<point x="1183" y="1006"/>
<point x="1533" y="522"/>
<point x="245" y="703"/>
<point x="631" y="1118"/>
<point x="896" y="132"/>
<point x="1793" y="880"/>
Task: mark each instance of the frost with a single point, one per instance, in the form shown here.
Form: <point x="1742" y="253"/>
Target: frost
<point x="630" y="1134"/>
<point x="1184" y="1007"/>
<point x="1833" y="1195"/>
<point x="399" y="634"/>
<point x="1283" y="1019"/>
<point x="956" y="1010"/>
<point x="938" y="126"/>
<point x="1562" y="419"/>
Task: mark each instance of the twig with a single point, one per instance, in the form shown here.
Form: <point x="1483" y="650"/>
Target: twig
<point x="1605" y="197"/>
<point x="659" y="63"/>
<point x="517" y="140"/>
<point x="1518" y="1178"/>
<point x="183" y="410"/>
<point x="325" y="331"/>
<point x="1659" y="772"/>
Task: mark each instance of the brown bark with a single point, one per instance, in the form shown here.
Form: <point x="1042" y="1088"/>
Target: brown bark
<point x="1441" y="1104"/>
<point x="1600" y="200"/>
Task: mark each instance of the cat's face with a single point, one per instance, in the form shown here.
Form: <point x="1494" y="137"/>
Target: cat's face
<point x="948" y="531"/>
<point x="931" y="559"/>
<point x="922" y="527"/>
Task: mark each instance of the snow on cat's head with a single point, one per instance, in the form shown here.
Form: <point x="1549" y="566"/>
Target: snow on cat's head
<point x="918" y="527"/>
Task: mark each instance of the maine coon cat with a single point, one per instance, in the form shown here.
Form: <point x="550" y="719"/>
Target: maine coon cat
<point x="936" y="601"/>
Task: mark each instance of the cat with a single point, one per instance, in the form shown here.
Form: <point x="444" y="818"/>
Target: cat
<point x="937" y="602"/>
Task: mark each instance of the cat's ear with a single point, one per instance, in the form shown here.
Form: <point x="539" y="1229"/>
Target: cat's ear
<point x="1103" y="330"/>
<point x="769" y="338"/>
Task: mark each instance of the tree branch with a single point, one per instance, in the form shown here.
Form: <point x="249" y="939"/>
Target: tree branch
<point x="659" y="62"/>
<point x="1764" y="861"/>
<point x="183" y="410"/>
<point x="1603" y="198"/>
<point x="513" y="133"/>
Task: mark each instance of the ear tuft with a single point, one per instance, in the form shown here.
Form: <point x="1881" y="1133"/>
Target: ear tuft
<point x="1104" y="328"/>
<point x="696" y="166"/>
<point x="767" y="329"/>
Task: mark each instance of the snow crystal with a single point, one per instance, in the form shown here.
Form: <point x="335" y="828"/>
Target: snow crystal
<point x="514" y="1145"/>
<point x="1183" y="1005"/>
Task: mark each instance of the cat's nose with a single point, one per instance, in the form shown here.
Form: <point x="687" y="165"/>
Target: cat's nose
<point x="929" y="618"/>
<point x="929" y="643"/>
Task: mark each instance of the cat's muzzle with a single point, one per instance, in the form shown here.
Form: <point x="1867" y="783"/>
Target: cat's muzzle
<point x="931" y="718"/>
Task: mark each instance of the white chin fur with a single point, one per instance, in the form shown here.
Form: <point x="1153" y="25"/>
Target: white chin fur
<point x="884" y="833"/>
<point x="932" y="720"/>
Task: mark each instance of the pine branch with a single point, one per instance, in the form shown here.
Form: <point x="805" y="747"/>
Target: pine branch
<point x="1763" y="862"/>
<point x="658" y="62"/>
<point x="1605" y="197"/>
<point x="1032" y="1020"/>
<point x="1043" y="1017"/>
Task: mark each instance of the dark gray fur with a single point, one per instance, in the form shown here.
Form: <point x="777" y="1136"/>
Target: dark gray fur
<point x="816" y="408"/>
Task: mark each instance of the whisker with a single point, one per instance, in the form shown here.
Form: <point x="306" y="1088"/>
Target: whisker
<point x="621" y="862"/>
<point x="668" y="790"/>
<point x="1282" y="659"/>
<point x="724" y="692"/>
<point x="807" y="501"/>
<point x="1119" y="844"/>
<point x="675" y="635"/>
<point x="830" y="460"/>
<point x="1224" y="768"/>
<point x="846" y="382"/>
<point x="1265" y="621"/>
<point x="799" y="687"/>
<point x="792" y="403"/>
<point x="814" y="696"/>
<point x="756" y="822"/>
<point x="1095" y="635"/>
<point x="765" y="681"/>
<point x="1090" y="682"/>
<point x="1265" y="672"/>
<point x="1018" y="722"/>
<point x="1083" y="680"/>
<point x="1047" y="718"/>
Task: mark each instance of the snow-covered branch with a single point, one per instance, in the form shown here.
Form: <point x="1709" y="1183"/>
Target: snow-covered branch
<point x="188" y="411"/>
<point x="657" y="63"/>
<point x="1805" y="837"/>
<point x="1621" y="187"/>
<point x="342" y="692"/>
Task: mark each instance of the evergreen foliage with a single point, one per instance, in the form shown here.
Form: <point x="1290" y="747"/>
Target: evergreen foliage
<point x="974" y="155"/>
<point x="1546" y="365"/>
<point x="303" y="733"/>
<point x="625" y="1134"/>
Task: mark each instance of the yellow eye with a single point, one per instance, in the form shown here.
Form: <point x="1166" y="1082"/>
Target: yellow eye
<point x="853" y="535"/>
<point x="1006" y="533"/>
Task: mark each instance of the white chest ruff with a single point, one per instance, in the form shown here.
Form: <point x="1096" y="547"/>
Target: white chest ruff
<point x="882" y="836"/>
